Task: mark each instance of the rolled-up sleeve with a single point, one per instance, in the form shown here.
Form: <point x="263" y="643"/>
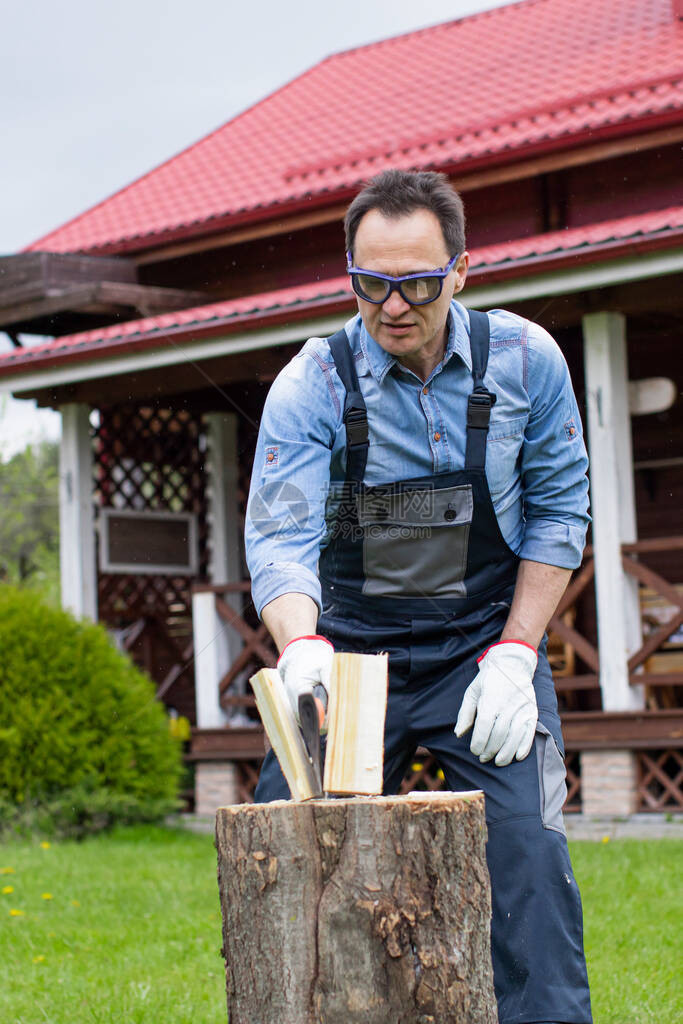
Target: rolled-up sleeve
<point x="554" y="461"/>
<point x="285" y="520"/>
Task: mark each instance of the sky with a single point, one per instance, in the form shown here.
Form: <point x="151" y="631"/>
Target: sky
<point x="94" y="95"/>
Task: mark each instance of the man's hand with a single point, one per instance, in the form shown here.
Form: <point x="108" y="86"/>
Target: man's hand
<point x="305" y="666"/>
<point x="503" y="700"/>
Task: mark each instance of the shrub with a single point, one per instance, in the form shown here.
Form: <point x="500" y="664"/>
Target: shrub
<point x="83" y="742"/>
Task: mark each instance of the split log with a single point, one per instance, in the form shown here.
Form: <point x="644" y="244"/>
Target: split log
<point x="370" y="909"/>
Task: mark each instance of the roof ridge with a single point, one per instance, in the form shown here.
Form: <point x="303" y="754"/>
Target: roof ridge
<point x="440" y="25"/>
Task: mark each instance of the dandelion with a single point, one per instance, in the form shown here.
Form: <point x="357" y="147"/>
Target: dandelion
<point x="39" y="959"/>
<point x="46" y="895"/>
<point x="7" y="889"/>
<point x="75" y="903"/>
<point x="605" y="839"/>
<point x="7" y="871"/>
<point x="45" y="845"/>
<point x="16" y="913"/>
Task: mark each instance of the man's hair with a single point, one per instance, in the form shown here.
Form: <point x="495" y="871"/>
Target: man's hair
<point x="398" y="193"/>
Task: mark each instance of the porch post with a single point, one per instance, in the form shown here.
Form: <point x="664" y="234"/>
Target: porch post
<point x="216" y="645"/>
<point x="609" y="778"/>
<point x="209" y="667"/>
<point x="613" y="505"/>
<point x="76" y="516"/>
<point x="224" y="540"/>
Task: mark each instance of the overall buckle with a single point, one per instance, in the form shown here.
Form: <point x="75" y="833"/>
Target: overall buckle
<point x="356" y="423"/>
<point x="479" y="405"/>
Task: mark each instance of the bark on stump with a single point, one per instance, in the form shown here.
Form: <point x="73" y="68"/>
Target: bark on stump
<point x="369" y="910"/>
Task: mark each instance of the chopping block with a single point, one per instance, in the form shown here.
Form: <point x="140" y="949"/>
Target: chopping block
<point x="361" y="909"/>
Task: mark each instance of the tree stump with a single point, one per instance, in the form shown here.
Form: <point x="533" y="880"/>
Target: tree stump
<point x="368" y="910"/>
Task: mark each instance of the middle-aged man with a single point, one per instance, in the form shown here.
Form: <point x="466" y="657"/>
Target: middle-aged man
<point x="419" y="487"/>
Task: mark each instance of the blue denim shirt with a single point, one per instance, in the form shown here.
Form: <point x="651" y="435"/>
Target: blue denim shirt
<point x="535" y="463"/>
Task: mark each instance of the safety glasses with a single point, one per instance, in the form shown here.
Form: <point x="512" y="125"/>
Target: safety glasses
<point x="415" y="289"/>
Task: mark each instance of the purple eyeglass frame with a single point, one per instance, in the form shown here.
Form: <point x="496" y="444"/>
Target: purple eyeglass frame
<point x="396" y="282"/>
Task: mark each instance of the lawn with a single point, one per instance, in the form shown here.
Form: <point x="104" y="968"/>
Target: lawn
<point x="130" y="934"/>
<point x="125" y="929"/>
<point x="633" y="928"/>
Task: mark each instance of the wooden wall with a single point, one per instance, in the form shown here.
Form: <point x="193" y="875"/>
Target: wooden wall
<point x="619" y="187"/>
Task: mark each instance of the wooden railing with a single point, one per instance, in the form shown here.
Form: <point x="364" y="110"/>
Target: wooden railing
<point x="561" y="627"/>
<point x="145" y="639"/>
<point x="634" y="567"/>
<point x="654" y="734"/>
<point x="256" y="649"/>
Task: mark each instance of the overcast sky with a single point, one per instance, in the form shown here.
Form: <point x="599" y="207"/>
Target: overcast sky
<point x="94" y="95"/>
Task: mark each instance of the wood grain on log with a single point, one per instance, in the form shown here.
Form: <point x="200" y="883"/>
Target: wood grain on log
<point x="373" y="910"/>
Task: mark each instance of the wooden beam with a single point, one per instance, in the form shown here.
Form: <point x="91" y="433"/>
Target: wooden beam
<point x="575" y="588"/>
<point x="653" y="642"/>
<point x="103" y="297"/>
<point x="564" y="684"/>
<point x="582" y="730"/>
<point x="563" y="160"/>
<point x="655" y="544"/>
<point x="227" y="744"/>
<point x="41" y="305"/>
<point x="50" y="271"/>
<point x="635" y="730"/>
<point x="150" y="299"/>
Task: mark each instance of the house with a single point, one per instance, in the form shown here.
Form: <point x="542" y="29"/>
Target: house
<point x="174" y="303"/>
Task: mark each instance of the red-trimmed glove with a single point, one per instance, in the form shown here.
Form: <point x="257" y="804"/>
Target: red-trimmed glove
<point x="503" y="701"/>
<point x="305" y="666"/>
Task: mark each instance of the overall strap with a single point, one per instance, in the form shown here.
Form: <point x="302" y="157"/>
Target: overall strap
<point x="481" y="401"/>
<point x="355" y="412"/>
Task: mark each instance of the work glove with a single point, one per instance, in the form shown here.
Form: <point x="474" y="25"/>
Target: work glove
<point x="305" y="666"/>
<point x="503" y="700"/>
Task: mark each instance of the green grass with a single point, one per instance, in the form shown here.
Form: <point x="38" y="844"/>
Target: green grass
<point x="132" y="932"/>
<point x="633" y="928"/>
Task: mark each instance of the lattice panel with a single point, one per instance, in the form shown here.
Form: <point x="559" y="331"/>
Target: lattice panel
<point x="247" y="777"/>
<point x="152" y="459"/>
<point x="572" y="763"/>
<point x="423" y="774"/>
<point x="660" y="783"/>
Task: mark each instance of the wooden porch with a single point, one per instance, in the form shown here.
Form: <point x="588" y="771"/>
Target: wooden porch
<point x="616" y="641"/>
<point x="654" y="734"/>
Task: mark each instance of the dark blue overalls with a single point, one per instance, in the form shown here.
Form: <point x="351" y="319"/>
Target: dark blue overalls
<point x="420" y="569"/>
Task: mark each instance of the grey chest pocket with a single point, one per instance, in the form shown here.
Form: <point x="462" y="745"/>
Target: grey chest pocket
<point x="415" y="541"/>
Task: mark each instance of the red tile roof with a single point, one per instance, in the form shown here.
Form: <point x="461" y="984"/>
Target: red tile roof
<point x="550" y="251"/>
<point x="514" y="79"/>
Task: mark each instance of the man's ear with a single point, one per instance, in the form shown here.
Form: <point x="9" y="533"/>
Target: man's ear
<point x="461" y="268"/>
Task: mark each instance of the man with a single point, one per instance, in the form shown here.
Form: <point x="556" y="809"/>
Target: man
<point x="419" y="487"/>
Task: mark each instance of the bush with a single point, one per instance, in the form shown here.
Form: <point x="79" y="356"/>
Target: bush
<point x="83" y="742"/>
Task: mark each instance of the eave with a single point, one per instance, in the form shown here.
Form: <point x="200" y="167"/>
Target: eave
<point x="265" y="322"/>
<point x="317" y="206"/>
